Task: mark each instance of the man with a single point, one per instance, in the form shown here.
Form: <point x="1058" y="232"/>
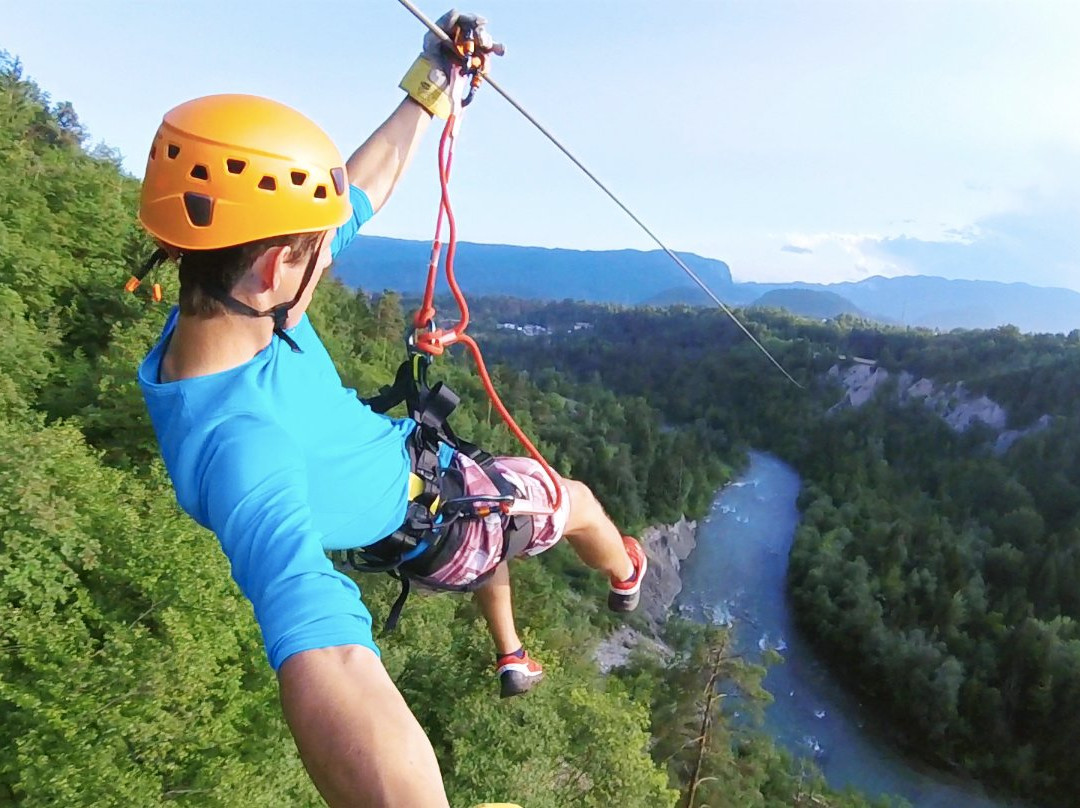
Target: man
<point x="268" y="449"/>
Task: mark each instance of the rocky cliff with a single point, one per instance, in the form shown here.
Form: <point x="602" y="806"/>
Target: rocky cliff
<point x="667" y="546"/>
<point x="952" y="402"/>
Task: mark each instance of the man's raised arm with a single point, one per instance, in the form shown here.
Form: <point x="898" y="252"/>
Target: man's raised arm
<point x="378" y="164"/>
<point x="360" y="744"/>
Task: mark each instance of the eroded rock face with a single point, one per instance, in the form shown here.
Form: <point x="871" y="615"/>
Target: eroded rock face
<point x="615" y="651"/>
<point x="959" y="409"/>
<point x="860" y="382"/>
<point x="952" y="402"/>
<point x="667" y="547"/>
<point x="1006" y="439"/>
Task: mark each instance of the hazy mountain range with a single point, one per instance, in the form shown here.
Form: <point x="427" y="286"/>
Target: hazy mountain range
<point x="633" y="277"/>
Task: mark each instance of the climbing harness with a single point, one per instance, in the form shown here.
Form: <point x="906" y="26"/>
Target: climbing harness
<point x="438" y="507"/>
<point x="442" y="35"/>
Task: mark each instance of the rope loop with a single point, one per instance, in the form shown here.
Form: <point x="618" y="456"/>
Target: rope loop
<point x="434" y="341"/>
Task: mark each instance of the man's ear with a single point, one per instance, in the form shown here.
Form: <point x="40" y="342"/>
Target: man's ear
<point x="269" y="266"/>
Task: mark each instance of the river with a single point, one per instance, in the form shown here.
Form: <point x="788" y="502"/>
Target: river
<point x="737" y="573"/>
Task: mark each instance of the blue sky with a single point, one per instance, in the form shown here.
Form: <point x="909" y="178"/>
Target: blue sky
<point x="817" y="140"/>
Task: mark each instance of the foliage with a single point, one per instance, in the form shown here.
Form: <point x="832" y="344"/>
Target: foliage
<point x="938" y="574"/>
<point x="109" y="596"/>
<point x="131" y="670"/>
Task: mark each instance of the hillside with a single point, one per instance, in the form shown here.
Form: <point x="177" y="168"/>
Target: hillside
<point x="631" y="277"/>
<point x="935" y="565"/>
<point x="809" y="303"/>
<point x="531" y="272"/>
<point x="132" y="672"/>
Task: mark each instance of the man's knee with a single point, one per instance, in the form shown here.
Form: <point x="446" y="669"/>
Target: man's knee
<point x="580" y="494"/>
<point x="584" y="507"/>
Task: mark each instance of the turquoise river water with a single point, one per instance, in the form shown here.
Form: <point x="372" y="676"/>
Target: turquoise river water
<point x="736" y="575"/>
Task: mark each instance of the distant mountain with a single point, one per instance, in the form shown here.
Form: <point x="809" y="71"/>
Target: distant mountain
<point x="633" y="277"/>
<point x="615" y="276"/>
<point x="809" y="303"/>
<point x="920" y="300"/>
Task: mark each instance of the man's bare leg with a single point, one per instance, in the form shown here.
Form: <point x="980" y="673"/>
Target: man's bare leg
<point x="494" y="600"/>
<point x="594" y="537"/>
<point x="517" y="672"/>
<point x="596" y="541"/>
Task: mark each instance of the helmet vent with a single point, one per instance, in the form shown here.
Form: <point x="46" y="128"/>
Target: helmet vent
<point x="153" y="151"/>
<point x="235" y="166"/>
<point x="298" y="177"/>
<point x="200" y="172"/>
<point x="174" y="151"/>
<point x="320" y="192"/>
<point x="268" y="183"/>
<point x="338" y="176"/>
<point x="200" y="208"/>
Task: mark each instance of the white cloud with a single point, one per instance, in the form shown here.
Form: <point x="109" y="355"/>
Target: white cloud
<point x="1037" y="242"/>
<point x="1033" y="236"/>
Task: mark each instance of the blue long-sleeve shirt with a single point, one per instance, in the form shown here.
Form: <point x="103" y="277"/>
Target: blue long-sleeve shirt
<point x="283" y="462"/>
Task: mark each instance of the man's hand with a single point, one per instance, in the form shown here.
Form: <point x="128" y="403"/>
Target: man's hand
<point x="438" y="51"/>
<point x="378" y="164"/>
<point x="428" y="80"/>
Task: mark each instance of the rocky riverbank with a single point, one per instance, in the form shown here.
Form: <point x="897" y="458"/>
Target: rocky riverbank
<point x="667" y="546"/>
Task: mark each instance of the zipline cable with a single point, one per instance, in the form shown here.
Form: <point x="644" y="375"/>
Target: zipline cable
<point x="693" y="276"/>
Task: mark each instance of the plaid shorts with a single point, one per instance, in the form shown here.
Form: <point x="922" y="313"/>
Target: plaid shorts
<point x="482" y="543"/>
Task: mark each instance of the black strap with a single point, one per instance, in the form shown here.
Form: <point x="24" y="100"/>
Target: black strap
<point x="431" y="407"/>
<point x="158" y="257"/>
<point x="390" y="395"/>
<point x="399" y="604"/>
<point x="279" y="313"/>
<point x="517" y="533"/>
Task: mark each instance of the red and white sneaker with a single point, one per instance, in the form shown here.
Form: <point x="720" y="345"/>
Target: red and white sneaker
<point x="624" y="595"/>
<point x="517" y="674"/>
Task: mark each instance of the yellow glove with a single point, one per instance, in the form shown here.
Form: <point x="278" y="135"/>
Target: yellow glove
<point x="428" y="85"/>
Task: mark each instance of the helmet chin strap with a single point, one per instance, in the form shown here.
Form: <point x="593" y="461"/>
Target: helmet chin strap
<point x="279" y="313"/>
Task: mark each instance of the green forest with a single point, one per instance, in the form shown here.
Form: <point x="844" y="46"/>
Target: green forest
<point x="131" y="670"/>
<point x="939" y="575"/>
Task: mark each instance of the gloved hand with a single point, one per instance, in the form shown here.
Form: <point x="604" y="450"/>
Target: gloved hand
<point x="428" y="80"/>
<point x="439" y="53"/>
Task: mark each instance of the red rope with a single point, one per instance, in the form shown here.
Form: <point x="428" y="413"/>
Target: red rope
<point x="519" y="433"/>
<point x="426" y="313"/>
<point x="434" y="342"/>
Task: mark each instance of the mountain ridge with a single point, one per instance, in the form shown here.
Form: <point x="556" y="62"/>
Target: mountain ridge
<point x="377" y="262"/>
<point x="647" y="277"/>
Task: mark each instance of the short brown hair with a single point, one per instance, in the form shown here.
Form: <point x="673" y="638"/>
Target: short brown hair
<point x="204" y="272"/>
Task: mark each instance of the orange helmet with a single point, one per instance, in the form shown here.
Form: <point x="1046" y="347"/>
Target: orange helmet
<point x="228" y="169"/>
